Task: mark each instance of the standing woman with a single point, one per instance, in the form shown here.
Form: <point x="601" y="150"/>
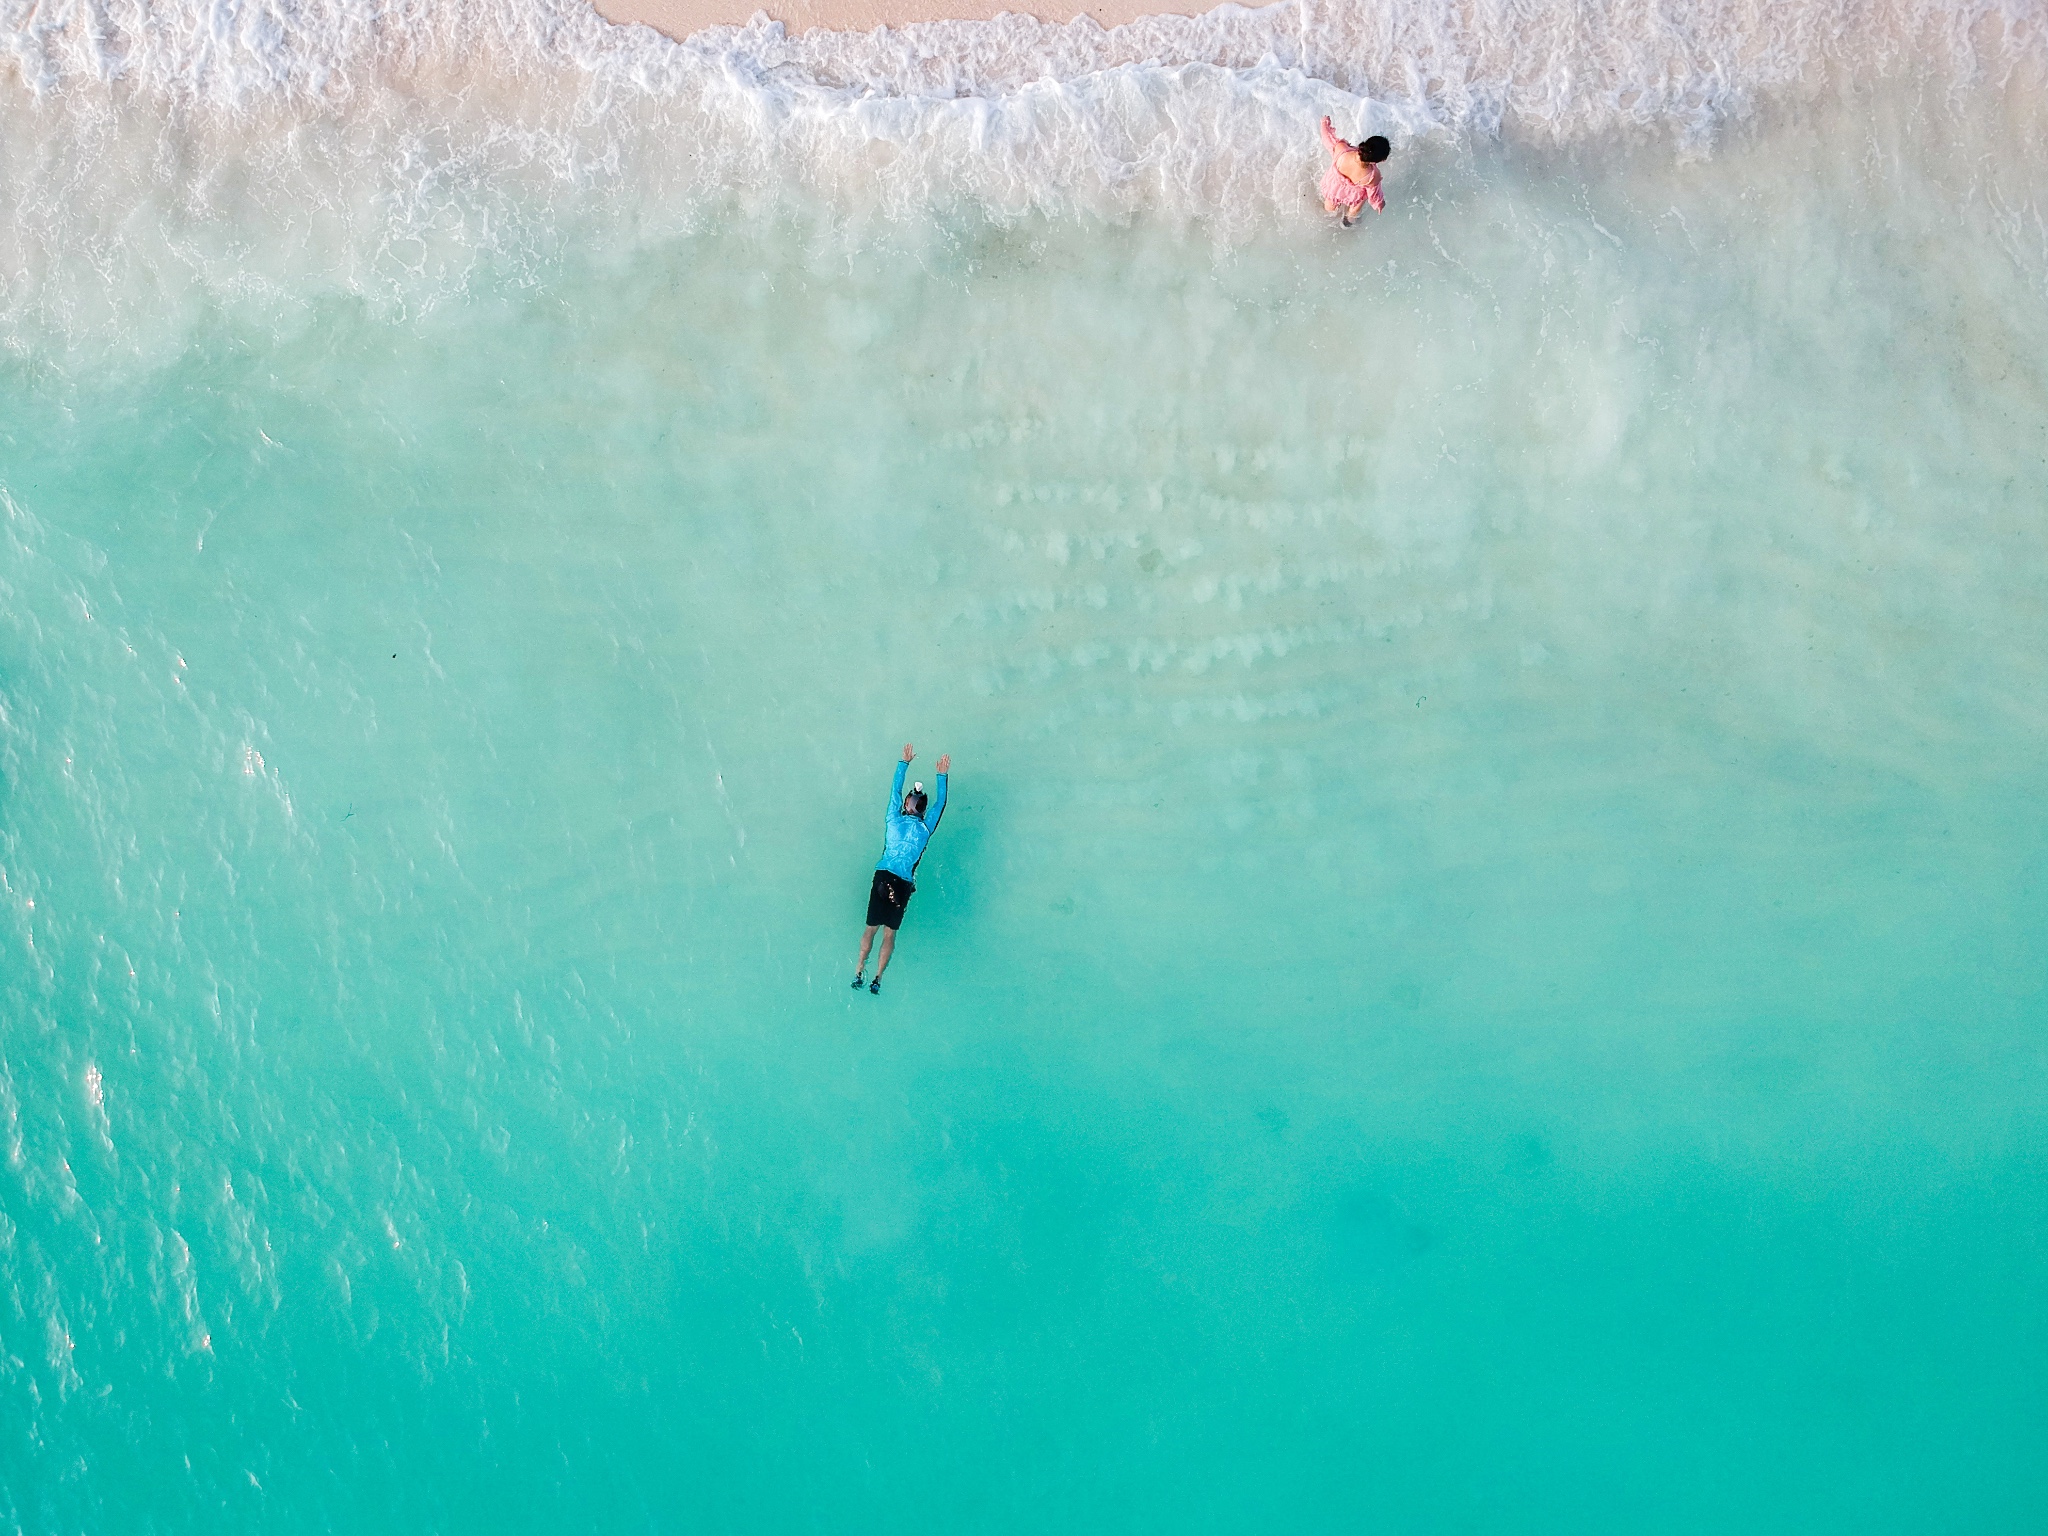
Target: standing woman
<point x="1353" y="179"/>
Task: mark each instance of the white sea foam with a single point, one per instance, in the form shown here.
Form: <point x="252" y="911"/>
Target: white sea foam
<point x="154" y="148"/>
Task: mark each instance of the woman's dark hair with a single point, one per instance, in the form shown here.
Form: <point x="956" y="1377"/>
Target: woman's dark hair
<point x="1375" y="149"/>
<point x="917" y="804"/>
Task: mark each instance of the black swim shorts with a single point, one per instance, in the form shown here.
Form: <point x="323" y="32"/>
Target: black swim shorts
<point x="887" y="898"/>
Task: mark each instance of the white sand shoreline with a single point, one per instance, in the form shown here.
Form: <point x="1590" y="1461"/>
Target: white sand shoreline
<point x="679" y="18"/>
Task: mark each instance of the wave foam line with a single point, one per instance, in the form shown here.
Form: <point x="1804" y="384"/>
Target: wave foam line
<point x="148" y="145"/>
<point x="1565" y="65"/>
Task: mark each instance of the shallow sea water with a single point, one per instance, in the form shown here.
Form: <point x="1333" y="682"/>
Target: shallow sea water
<point x="1484" y="969"/>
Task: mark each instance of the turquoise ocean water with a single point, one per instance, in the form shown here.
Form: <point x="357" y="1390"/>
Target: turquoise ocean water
<point x="1485" y="967"/>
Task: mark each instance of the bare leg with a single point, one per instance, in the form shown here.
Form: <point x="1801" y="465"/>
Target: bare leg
<point x="888" y="949"/>
<point x="866" y="940"/>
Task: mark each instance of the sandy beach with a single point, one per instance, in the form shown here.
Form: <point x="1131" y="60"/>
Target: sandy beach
<point x="679" y="18"/>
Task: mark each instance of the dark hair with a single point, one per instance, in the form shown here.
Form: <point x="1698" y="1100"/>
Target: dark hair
<point x="1375" y="149"/>
<point x="918" y="803"/>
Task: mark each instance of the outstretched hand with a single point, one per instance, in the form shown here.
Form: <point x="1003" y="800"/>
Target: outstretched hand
<point x="907" y="753"/>
<point x="945" y="761"/>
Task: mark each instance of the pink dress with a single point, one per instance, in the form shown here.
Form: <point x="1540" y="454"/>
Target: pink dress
<point x="1340" y="189"/>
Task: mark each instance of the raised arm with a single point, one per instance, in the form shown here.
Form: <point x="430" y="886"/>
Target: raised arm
<point x="937" y="808"/>
<point x="896" y="789"/>
<point x="1330" y="139"/>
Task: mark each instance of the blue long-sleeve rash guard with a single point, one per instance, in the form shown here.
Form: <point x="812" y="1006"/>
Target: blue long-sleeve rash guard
<point x="904" y="836"/>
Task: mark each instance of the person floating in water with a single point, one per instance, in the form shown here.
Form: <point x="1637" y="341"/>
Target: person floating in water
<point x="1353" y="179"/>
<point x="907" y="825"/>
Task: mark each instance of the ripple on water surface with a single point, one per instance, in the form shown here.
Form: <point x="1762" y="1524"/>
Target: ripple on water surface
<point x="1484" y="952"/>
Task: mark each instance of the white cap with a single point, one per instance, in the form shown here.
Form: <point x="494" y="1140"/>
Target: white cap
<point x="917" y="786"/>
